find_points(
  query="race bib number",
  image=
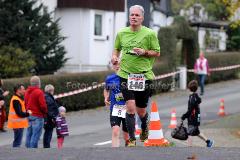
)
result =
(136, 82)
(119, 111)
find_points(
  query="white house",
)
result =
(91, 26)
(212, 36)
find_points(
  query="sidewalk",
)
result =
(224, 132)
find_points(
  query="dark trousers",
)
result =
(18, 134)
(47, 137)
(201, 81)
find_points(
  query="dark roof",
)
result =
(109, 5)
(214, 24)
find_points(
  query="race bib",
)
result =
(136, 82)
(119, 111)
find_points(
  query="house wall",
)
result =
(160, 20)
(214, 33)
(223, 40)
(50, 4)
(74, 25)
(201, 37)
(86, 51)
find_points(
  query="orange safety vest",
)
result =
(14, 121)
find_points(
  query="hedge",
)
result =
(220, 60)
(70, 82)
(168, 37)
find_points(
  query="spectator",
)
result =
(35, 101)
(193, 114)
(50, 120)
(17, 115)
(201, 68)
(3, 108)
(62, 127)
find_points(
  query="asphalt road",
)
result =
(138, 153)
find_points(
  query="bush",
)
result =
(14, 62)
(221, 60)
(168, 37)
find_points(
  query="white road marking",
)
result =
(102, 143)
(108, 142)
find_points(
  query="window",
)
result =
(98, 25)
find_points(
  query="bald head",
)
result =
(35, 81)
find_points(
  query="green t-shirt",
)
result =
(126, 40)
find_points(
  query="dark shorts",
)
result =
(193, 130)
(140, 97)
(116, 121)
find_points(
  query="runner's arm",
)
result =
(115, 56)
(147, 53)
(106, 97)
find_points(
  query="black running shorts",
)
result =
(140, 97)
(116, 121)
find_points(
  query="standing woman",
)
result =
(50, 120)
(201, 68)
(3, 108)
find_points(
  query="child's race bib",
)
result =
(119, 111)
(136, 82)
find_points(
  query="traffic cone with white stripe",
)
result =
(221, 111)
(173, 122)
(155, 137)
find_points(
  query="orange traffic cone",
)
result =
(155, 137)
(137, 130)
(173, 122)
(221, 111)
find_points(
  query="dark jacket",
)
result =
(18, 108)
(193, 112)
(35, 101)
(1, 94)
(52, 105)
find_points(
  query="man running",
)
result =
(139, 47)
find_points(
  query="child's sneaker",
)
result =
(210, 143)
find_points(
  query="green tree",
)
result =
(232, 7)
(14, 62)
(233, 39)
(26, 25)
(216, 9)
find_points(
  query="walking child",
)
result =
(114, 98)
(62, 127)
(193, 114)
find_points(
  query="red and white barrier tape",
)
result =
(166, 75)
(156, 78)
(220, 68)
(78, 91)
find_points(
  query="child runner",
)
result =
(114, 98)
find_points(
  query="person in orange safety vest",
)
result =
(17, 115)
